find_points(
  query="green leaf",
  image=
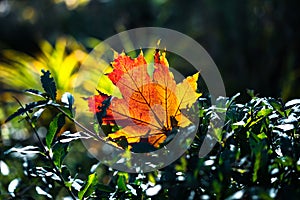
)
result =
(232, 99)
(258, 147)
(88, 188)
(264, 112)
(122, 180)
(65, 172)
(238, 124)
(106, 86)
(27, 108)
(54, 126)
(261, 115)
(151, 178)
(60, 151)
(48, 84)
(277, 106)
(262, 135)
(257, 155)
(67, 112)
(218, 134)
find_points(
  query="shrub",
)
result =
(257, 155)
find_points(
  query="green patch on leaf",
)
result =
(60, 151)
(122, 181)
(54, 126)
(89, 186)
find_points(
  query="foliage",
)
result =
(62, 60)
(257, 40)
(20, 71)
(257, 156)
(151, 105)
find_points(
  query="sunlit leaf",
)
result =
(286, 127)
(67, 137)
(122, 181)
(292, 103)
(54, 126)
(264, 112)
(88, 188)
(151, 104)
(59, 151)
(35, 92)
(24, 150)
(4, 169)
(68, 99)
(21, 71)
(40, 191)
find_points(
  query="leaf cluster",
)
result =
(256, 155)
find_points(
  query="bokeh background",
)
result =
(255, 43)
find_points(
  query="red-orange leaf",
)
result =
(122, 64)
(96, 102)
(150, 107)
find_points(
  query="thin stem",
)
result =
(88, 132)
(80, 125)
(56, 170)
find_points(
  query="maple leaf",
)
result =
(151, 106)
(122, 64)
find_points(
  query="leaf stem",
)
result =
(80, 125)
(56, 170)
(87, 131)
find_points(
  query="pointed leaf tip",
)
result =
(48, 84)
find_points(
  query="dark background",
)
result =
(255, 43)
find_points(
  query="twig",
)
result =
(80, 125)
(88, 132)
(56, 170)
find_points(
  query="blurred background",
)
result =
(255, 43)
